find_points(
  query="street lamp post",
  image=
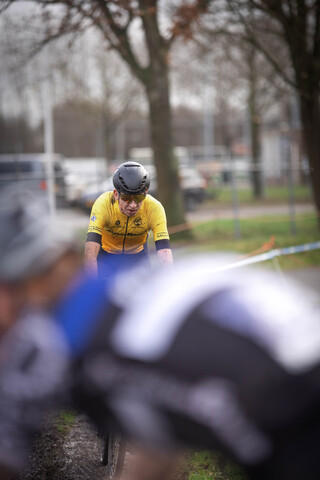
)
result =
(48, 133)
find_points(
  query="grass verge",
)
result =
(272, 195)
(206, 465)
(64, 421)
(257, 235)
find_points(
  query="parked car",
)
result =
(82, 173)
(90, 194)
(30, 171)
(193, 187)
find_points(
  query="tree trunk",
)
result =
(161, 139)
(156, 82)
(255, 152)
(310, 117)
(257, 186)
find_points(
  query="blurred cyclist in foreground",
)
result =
(37, 264)
(183, 357)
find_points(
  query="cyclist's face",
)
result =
(128, 209)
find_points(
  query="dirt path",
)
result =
(74, 455)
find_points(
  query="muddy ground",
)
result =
(73, 453)
(66, 454)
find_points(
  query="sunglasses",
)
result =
(136, 198)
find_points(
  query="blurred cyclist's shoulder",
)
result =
(81, 308)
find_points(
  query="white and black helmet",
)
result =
(30, 241)
(131, 178)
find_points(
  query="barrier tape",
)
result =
(181, 228)
(264, 247)
(272, 254)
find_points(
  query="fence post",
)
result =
(286, 135)
(235, 198)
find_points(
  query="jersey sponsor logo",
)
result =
(93, 218)
(122, 234)
(94, 229)
(130, 234)
(137, 221)
(162, 234)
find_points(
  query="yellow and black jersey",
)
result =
(121, 234)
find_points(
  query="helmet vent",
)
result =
(123, 182)
(131, 180)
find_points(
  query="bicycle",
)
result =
(113, 451)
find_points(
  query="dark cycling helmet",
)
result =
(131, 178)
(30, 241)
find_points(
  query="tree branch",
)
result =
(5, 4)
(274, 8)
(75, 30)
(185, 17)
(149, 16)
(120, 42)
(115, 34)
(251, 37)
(316, 42)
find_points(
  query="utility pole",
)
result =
(208, 117)
(48, 134)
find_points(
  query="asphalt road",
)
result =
(78, 219)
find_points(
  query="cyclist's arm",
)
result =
(164, 252)
(91, 251)
(93, 242)
(161, 235)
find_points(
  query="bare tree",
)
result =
(239, 71)
(17, 135)
(262, 91)
(114, 20)
(107, 94)
(295, 24)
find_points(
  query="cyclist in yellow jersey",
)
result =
(121, 220)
